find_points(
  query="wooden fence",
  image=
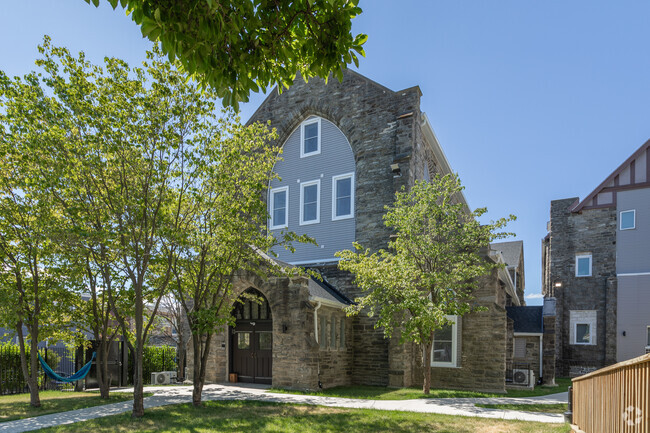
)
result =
(614, 399)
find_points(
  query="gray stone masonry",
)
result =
(590, 231)
(548, 356)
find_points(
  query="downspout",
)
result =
(316, 321)
(541, 352)
(320, 384)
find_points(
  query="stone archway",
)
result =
(251, 340)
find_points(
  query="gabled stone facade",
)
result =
(383, 128)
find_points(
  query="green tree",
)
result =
(219, 229)
(239, 46)
(36, 283)
(435, 259)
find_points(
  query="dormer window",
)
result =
(310, 137)
(279, 207)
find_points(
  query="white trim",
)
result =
(286, 208)
(302, 204)
(582, 256)
(620, 222)
(316, 120)
(454, 345)
(632, 274)
(335, 193)
(527, 334)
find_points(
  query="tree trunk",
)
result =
(196, 376)
(426, 365)
(103, 380)
(30, 371)
(79, 362)
(138, 384)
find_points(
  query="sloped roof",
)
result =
(326, 291)
(527, 319)
(613, 181)
(511, 251)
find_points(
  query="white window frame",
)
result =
(316, 120)
(647, 337)
(454, 344)
(302, 202)
(334, 195)
(582, 256)
(620, 225)
(272, 225)
(575, 334)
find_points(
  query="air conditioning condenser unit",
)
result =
(163, 377)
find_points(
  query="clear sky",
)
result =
(531, 101)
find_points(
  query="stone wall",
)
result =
(482, 363)
(590, 231)
(548, 355)
(299, 362)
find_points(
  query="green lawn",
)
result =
(381, 393)
(546, 408)
(17, 406)
(258, 417)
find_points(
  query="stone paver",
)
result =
(183, 394)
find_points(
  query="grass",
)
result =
(382, 393)
(546, 408)
(13, 407)
(259, 417)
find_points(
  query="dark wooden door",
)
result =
(252, 344)
(251, 340)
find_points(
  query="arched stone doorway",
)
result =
(251, 340)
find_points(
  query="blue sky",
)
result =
(531, 101)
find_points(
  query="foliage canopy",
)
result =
(239, 46)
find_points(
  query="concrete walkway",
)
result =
(183, 394)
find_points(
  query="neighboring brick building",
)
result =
(347, 148)
(596, 264)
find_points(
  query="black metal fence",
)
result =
(12, 380)
(64, 362)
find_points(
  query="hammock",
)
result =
(75, 377)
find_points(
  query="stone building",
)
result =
(347, 148)
(596, 264)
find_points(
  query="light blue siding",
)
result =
(335, 159)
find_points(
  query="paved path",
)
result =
(183, 394)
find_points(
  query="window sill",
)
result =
(444, 365)
(306, 223)
(343, 217)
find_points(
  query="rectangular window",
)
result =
(323, 333)
(310, 202)
(583, 336)
(333, 334)
(520, 347)
(583, 265)
(628, 219)
(243, 340)
(266, 340)
(445, 342)
(342, 335)
(343, 196)
(583, 327)
(279, 207)
(648, 332)
(310, 137)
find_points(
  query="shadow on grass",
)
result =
(250, 416)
